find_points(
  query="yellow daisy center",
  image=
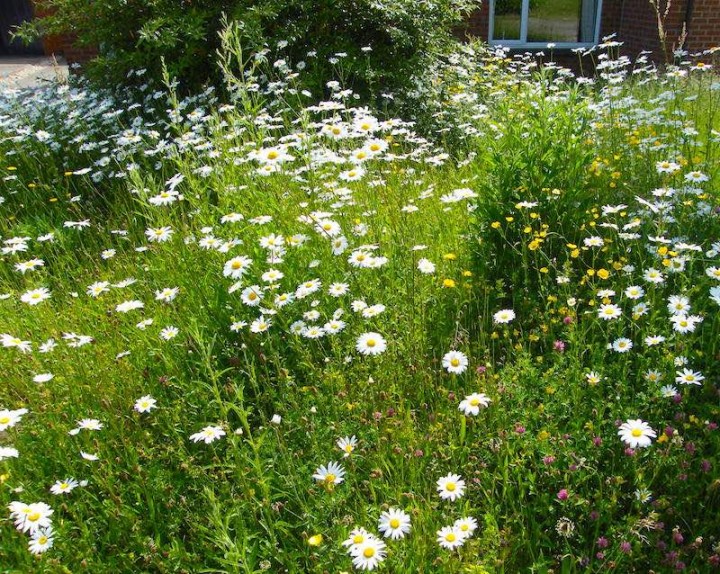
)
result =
(358, 538)
(450, 487)
(34, 516)
(474, 402)
(371, 342)
(272, 155)
(454, 362)
(330, 478)
(636, 433)
(394, 523)
(450, 537)
(369, 552)
(4, 420)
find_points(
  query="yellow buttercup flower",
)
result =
(315, 540)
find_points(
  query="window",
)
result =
(535, 23)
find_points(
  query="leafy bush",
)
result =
(142, 33)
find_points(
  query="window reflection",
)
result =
(570, 21)
(508, 17)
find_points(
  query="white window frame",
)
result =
(522, 43)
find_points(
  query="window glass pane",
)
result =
(562, 20)
(506, 25)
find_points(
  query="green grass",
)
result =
(543, 158)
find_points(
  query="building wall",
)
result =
(636, 25)
(704, 27)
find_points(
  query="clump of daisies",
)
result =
(366, 550)
(34, 519)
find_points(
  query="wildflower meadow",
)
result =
(272, 329)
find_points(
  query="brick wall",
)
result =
(75, 54)
(478, 23)
(704, 26)
(635, 23)
(638, 27)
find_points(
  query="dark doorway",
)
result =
(12, 13)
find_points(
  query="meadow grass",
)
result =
(238, 296)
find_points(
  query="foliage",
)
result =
(382, 41)
(170, 264)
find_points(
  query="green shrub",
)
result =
(142, 33)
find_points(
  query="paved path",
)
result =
(29, 71)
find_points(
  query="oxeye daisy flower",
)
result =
(451, 487)
(98, 288)
(678, 304)
(64, 486)
(369, 554)
(667, 166)
(334, 326)
(472, 404)
(208, 434)
(713, 272)
(159, 234)
(636, 433)
(145, 404)
(357, 537)
(504, 316)
(696, 176)
(653, 276)
(347, 445)
(9, 419)
(608, 312)
(639, 310)
(41, 540)
(30, 265)
(593, 378)
(652, 340)
(634, 292)
(689, 377)
(371, 344)
(715, 294)
(30, 517)
(685, 323)
(426, 266)
(35, 296)
(394, 524)
(593, 241)
(455, 362)
(8, 452)
(10, 341)
(169, 332)
(236, 267)
(466, 525)
(330, 475)
(622, 345)
(450, 537)
(252, 296)
(127, 306)
(167, 294)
